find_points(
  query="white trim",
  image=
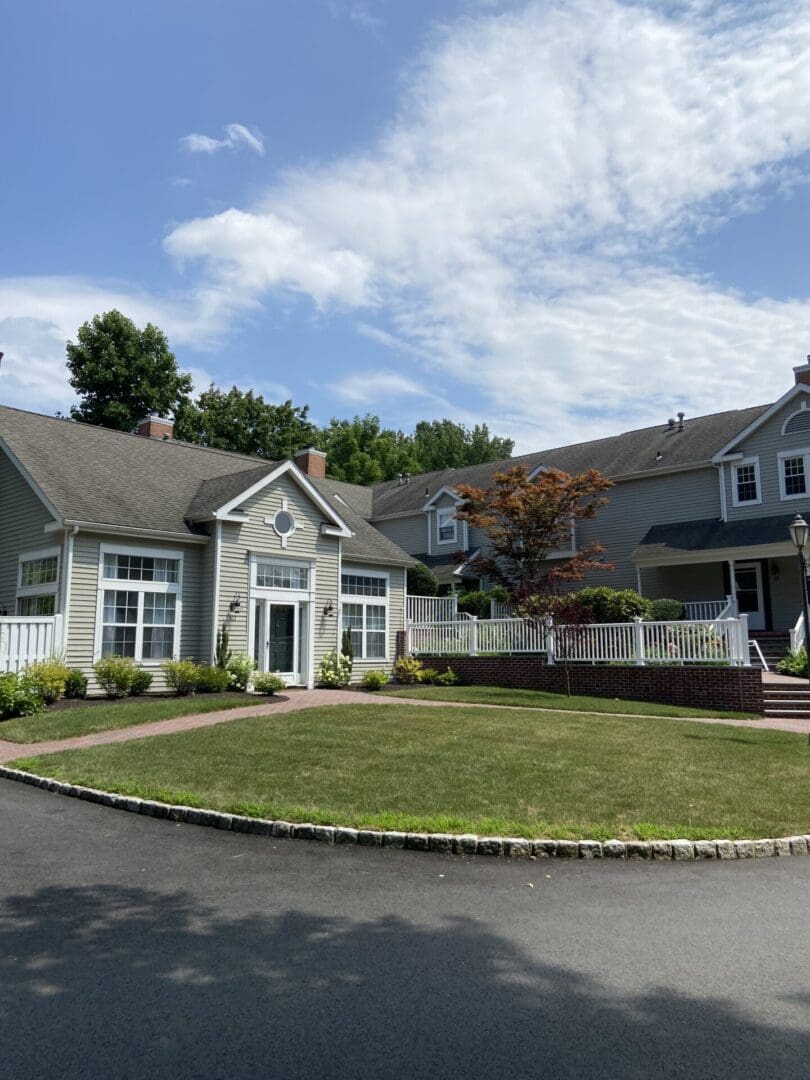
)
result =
(50, 588)
(756, 566)
(141, 587)
(539, 469)
(795, 391)
(303, 482)
(443, 511)
(721, 473)
(67, 582)
(24, 473)
(429, 515)
(359, 570)
(737, 465)
(451, 492)
(217, 586)
(712, 555)
(797, 412)
(125, 531)
(303, 600)
(803, 453)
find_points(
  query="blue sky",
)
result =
(562, 218)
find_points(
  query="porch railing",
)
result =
(797, 634)
(25, 641)
(718, 641)
(425, 609)
(700, 610)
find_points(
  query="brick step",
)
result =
(786, 690)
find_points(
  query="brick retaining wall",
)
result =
(702, 687)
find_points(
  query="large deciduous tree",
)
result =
(122, 373)
(245, 423)
(443, 444)
(359, 451)
(527, 520)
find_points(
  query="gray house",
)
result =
(146, 546)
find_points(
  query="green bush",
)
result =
(665, 610)
(75, 684)
(47, 679)
(375, 680)
(268, 683)
(475, 603)
(222, 656)
(240, 668)
(116, 675)
(447, 678)
(17, 698)
(181, 675)
(795, 663)
(428, 675)
(347, 648)
(408, 670)
(613, 605)
(212, 680)
(141, 681)
(335, 671)
(421, 580)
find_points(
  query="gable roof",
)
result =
(617, 456)
(799, 390)
(367, 544)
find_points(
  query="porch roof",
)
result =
(712, 540)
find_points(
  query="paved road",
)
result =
(136, 948)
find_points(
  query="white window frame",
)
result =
(368, 601)
(140, 587)
(736, 465)
(281, 560)
(443, 512)
(49, 589)
(803, 452)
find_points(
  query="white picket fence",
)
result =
(429, 609)
(702, 610)
(723, 641)
(25, 641)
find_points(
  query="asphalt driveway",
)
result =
(135, 948)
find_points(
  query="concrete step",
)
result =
(787, 714)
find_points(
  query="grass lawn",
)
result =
(84, 720)
(520, 773)
(543, 699)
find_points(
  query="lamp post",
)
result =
(800, 534)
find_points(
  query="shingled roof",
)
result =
(616, 456)
(94, 474)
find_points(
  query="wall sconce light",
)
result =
(235, 604)
(329, 609)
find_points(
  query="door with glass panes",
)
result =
(278, 637)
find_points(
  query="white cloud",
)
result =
(236, 135)
(518, 227)
(372, 387)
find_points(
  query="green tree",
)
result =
(122, 373)
(443, 444)
(359, 451)
(421, 580)
(245, 423)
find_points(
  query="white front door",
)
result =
(750, 599)
(278, 641)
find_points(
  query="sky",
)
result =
(565, 219)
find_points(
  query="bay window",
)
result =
(139, 605)
(364, 609)
(38, 583)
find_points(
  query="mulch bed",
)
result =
(83, 703)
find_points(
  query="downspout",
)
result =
(217, 575)
(67, 575)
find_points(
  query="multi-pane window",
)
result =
(365, 614)
(37, 583)
(271, 575)
(793, 475)
(746, 482)
(140, 568)
(140, 620)
(446, 520)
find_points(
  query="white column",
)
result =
(638, 636)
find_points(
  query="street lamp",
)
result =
(800, 533)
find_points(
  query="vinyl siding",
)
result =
(784, 582)
(84, 600)
(22, 525)
(396, 615)
(767, 443)
(409, 532)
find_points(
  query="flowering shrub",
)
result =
(268, 683)
(240, 668)
(335, 670)
(17, 698)
(47, 679)
(116, 675)
(408, 670)
(181, 675)
(375, 680)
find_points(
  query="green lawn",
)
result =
(542, 699)
(521, 773)
(84, 720)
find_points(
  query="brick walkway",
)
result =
(306, 699)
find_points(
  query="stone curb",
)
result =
(445, 843)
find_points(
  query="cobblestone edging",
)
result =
(444, 843)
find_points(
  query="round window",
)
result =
(284, 523)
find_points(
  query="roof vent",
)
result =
(659, 456)
(681, 417)
(671, 423)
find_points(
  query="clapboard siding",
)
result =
(409, 532)
(84, 601)
(396, 615)
(22, 525)
(766, 443)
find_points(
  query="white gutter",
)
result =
(217, 575)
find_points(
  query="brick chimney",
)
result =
(155, 426)
(312, 462)
(802, 373)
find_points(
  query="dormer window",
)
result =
(746, 483)
(794, 468)
(446, 524)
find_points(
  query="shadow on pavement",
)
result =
(114, 982)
